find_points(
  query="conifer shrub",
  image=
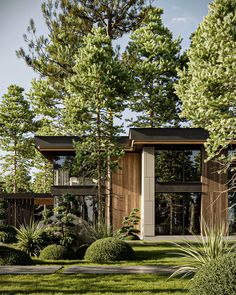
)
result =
(109, 249)
(12, 256)
(218, 277)
(56, 252)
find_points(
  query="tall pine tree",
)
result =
(154, 57)
(16, 127)
(98, 93)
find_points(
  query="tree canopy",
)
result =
(207, 87)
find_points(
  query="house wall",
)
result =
(126, 187)
(214, 205)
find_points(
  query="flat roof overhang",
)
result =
(137, 138)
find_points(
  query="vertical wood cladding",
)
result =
(214, 208)
(126, 186)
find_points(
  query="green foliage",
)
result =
(207, 86)
(29, 238)
(11, 256)
(211, 245)
(97, 95)
(56, 252)
(130, 223)
(7, 234)
(109, 249)
(216, 278)
(153, 57)
(43, 177)
(16, 126)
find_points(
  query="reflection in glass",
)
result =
(177, 165)
(177, 213)
(66, 172)
(232, 212)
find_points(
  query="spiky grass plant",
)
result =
(29, 237)
(210, 245)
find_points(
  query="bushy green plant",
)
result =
(208, 247)
(56, 252)
(7, 234)
(129, 225)
(29, 238)
(218, 277)
(109, 249)
(11, 256)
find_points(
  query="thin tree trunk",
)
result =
(99, 169)
(14, 169)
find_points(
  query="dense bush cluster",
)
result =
(7, 234)
(11, 256)
(56, 252)
(218, 277)
(109, 249)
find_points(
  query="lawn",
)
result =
(59, 283)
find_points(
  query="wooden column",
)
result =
(214, 205)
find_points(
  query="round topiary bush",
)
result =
(56, 252)
(218, 277)
(12, 256)
(109, 249)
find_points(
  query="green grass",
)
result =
(91, 284)
(147, 254)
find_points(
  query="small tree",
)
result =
(16, 127)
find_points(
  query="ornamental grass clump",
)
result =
(208, 247)
(218, 277)
(109, 249)
(29, 238)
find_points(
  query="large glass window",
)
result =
(177, 213)
(177, 165)
(232, 212)
(66, 172)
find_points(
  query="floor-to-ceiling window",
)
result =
(178, 171)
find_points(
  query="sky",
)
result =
(180, 16)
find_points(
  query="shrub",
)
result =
(30, 238)
(129, 225)
(56, 252)
(109, 249)
(11, 256)
(218, 277)
(7, 234)
(208, 247)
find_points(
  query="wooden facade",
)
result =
(21, 206)
(126, 187)
(214, 204)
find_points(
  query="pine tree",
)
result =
(154, 56)
(207, 88)
(97, 95)
(16, 127)
(53, 56)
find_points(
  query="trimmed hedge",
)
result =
(12, 256)
(109, 249)
(218, 277)
(56, 252)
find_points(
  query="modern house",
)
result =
(163, 173)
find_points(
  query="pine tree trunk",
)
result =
(99, 169)
(14, 169)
